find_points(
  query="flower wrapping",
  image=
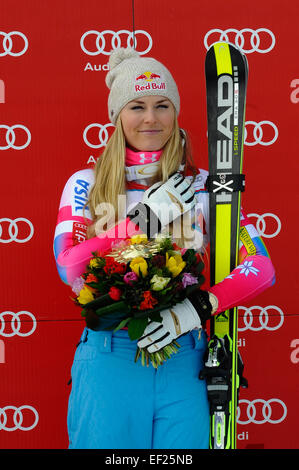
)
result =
(134, 282)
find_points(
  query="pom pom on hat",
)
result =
(120, 54)
(132, 76)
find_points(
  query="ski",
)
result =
(226, 74)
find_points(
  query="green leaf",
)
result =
(201, 279)
(167, 299)
(150, 311)
(122, 323)
(83, 313)
(104, 299)
(156, 317)
(200, 266)
(115, 307)
(165, 290)
(136, 327)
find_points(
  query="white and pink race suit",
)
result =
(73, 251)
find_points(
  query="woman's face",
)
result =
(148, 122)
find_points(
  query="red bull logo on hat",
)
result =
(148, 76)
(154, 82)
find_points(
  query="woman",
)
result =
(145, 182)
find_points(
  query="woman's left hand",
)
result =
(175, 322)
(183, 317)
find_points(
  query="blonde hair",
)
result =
(110, 181)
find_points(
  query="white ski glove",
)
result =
(185, 316)
(175, 322)
(162, 203)
(170, 199)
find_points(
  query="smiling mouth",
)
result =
(150, 131)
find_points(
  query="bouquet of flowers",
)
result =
(134, 282)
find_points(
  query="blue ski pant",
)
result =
(116, 403)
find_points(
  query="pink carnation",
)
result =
(130, 277)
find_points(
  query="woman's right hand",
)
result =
(162, 203)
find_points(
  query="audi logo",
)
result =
(103, 135)
(259, 39)
(262, 414)
(116, 41)
(10, 137)
(261, 224)
(8, 43)
(263, 318)
(16, 323)
(258, 133)
(14, 228)
(12, 418)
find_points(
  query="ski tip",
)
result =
(225, 52)
(219, 44)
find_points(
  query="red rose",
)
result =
(115, 293)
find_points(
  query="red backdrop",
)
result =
(54, 121)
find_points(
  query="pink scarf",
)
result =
(141, 158)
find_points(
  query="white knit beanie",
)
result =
(131, 77)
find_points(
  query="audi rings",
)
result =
(103, 134)
(8, 43)
(256, 43)
(10, 137)
(263, 318)
(258, 133)
(17, 418)
(261, 224)
(16, 323)
(262, 414)
(13, 230)
(116, 41)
